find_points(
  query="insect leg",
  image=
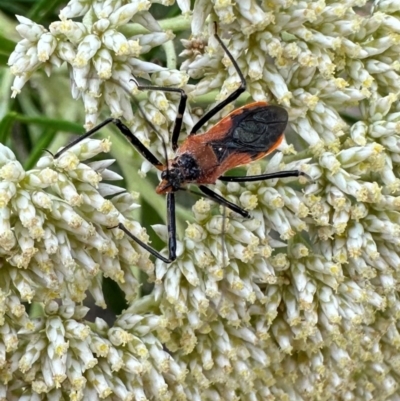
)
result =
(222, 201)
(124, 131)
(262, 177)
(171, 224)
(181, 108)
(233, 96)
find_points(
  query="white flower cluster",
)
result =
(326, 321)
(301, 301)
(101, 60)
(60, 356)
(55, 239)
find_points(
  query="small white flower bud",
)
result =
(46, 46)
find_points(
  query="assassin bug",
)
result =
(243, 136)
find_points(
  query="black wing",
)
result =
(253, 131)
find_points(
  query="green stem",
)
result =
(210, 97)
(175, 24)
(170, 54)
(298, 156)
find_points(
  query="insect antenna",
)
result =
(152, 126)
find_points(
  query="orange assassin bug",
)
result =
(243, 136)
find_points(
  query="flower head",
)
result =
(299, 301)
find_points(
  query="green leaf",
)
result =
(44, 141)
(58, 125)
(3, 60)
(5, 126)
(44, 8)
(51, 128)
(6, 46)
